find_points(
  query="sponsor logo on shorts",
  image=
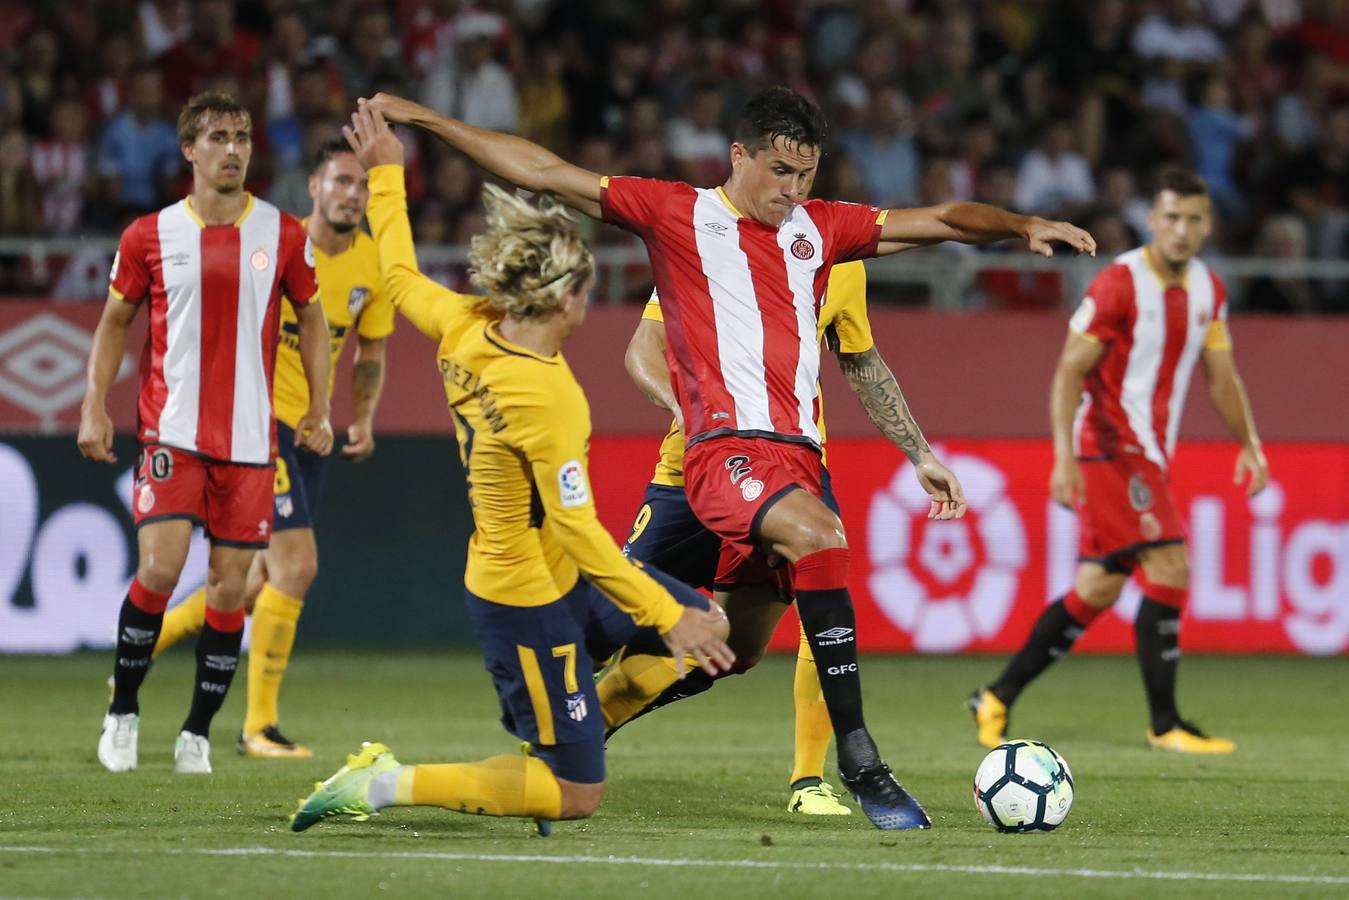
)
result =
(802, 248)
(263, 527)
(831, 637)
(719, 416)
(841, 670)
(577, 707)
(146, 501)
(1140, 495)
(1148, 525)
(571, 484)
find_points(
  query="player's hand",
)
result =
(394, 109)
(1041, 234)
(701, 634)
(1251, 463)
(95, 438)
(360, 442)
(314, 433)
(941, 484)
(1065, 482)
(371, 140)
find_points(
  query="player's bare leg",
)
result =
(163, 551)
(805, 532)
(1095, 589)
(283, 577)
(1165, 583)
(217, 654)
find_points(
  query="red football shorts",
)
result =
(1127, 507)
(732, 482)
(231, 501)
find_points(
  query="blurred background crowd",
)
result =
(1058, 107)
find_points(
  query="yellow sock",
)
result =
(629, 687)
(183, 621)
(274, 618)
(813, 728)
(500, 786)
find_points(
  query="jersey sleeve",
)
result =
(433, 308)
(652, 311)
(635, 203)
(298, 281)
(1103, 314)
(850, 230)
(376, 320)
(129, 279)
(1217, 337)
(848, 289)
(553, 429)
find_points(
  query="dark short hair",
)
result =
(1180, 181)
(779, 112)
(204, 105)
(329, 149)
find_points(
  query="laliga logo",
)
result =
(938, 621)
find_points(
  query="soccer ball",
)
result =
(1023, 786)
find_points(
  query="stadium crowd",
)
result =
(1060, 107)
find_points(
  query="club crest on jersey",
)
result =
(259, 260)
(802, 248)
(1140, 495)
(356, 300)
(577, 707)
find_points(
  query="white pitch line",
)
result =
(1120, 874)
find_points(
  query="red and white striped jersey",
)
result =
(214, 294)
(1154, 334)
(741, 300)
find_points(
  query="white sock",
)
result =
(383, 789)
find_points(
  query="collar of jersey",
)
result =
(192, 212)
(318, 251)
(502, 343)
(729, 205)
(1156, 270)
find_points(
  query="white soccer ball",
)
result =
(1023, 786)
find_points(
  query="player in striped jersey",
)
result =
(1115, 404)
(354, 301)
(212, 269)
(741, 271)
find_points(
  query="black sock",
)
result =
(217, 658)
(137, 632)
(695, 682)
(831, 628)
(1053, 636)
(1157, 638)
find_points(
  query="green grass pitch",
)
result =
(697, 792)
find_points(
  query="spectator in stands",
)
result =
(1215, 133)
(1282, 237)
(696, 140)
(1054, 179)
(63, 166)
(545, 108)
(20, 197)
(1173, 30)
(1297, 114)
(139, 156)
(106, 95)
(369, 54)
(884, 152)
(163, 23)
(1315, 184)
(214, 49)
(1120, 195)
(39, 80)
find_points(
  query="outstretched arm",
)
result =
(976, 223)
(1227, 393)
(878, 390)
(521, 162)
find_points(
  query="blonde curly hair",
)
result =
(528, 257)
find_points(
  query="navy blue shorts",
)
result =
(542, 662)
(666, 534)
(299, 482)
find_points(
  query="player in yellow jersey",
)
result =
(347, 263)
(666, 533)
(547, 588)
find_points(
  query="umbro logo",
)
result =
(834, 633)
(222, 662)
(716, 227)
(138, 637)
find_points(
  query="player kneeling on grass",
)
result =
(547, 588)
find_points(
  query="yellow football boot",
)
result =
(1186, 738)
(270, 743)
(990, 717)
(817, 800)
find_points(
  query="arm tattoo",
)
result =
(367, 379)
(875, 385)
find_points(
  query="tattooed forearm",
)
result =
(875, 385)
(367, 381)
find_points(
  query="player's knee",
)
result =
(295, 575)
(1100, 592)
(580, 801)
(159, 574)
(1172, 572)
(816, 534)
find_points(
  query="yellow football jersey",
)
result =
(843, 316)
(352, 295)
(523, 426)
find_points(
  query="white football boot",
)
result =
(117, 744)
(192, 754)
